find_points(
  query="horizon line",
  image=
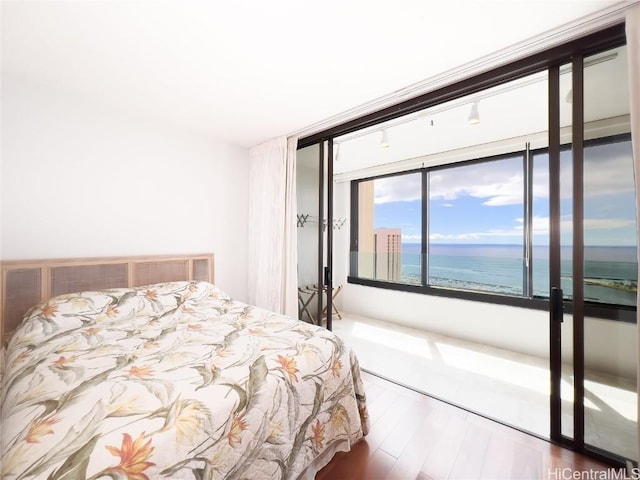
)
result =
(514, 245)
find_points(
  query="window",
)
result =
(389, 229)
(610, 266)
(476, 226)
(461, 178)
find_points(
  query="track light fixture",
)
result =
(384, 140)
(474, 115)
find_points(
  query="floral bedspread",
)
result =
(173, 380)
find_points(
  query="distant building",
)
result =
(388, 254)
(379, 249)
(366, 246)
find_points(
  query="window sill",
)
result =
(596, 310)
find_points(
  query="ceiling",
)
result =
(508, 116)
(245, 71)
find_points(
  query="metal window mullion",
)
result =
(424, 257)
(329, 234)
(578, 249)
(354, 223)
(555, 328)
(527, 273)
(320, 277)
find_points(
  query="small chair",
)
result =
(303, 305)
(334, 308)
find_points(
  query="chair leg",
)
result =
(304, 306)
(334, 308)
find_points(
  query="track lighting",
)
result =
(384, 140)
(336, 149)
(427, 118)
(474, 115)
(569, 97)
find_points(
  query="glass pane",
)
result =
(611, 267)
(540, 256)
(566, 246)
(610, 263)
(566, 221)
(475, 226)
(540, 227)
(307, 185)
(389, 229)
(471, 151)
(327, 230)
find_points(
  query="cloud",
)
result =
(593, 224)
(501, 200)
(541, 224)
(608, 170)
(500, 182)
(448, 205)
(452, 236)
(412, 238)
(540, 227)
(476, 235)
(399, 188)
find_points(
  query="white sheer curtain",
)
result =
(272, 226)
(633, 49)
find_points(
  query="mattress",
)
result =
(174, 380)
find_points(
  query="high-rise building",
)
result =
(388, 254)
(366, 245)
(379, 249)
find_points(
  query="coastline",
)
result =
(611, 273)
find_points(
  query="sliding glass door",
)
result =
(593, 257)
(498, 210)
(315, 233)
(449, 208)
(610, 272)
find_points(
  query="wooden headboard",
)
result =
(23, 284)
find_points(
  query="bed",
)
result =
(174, 380)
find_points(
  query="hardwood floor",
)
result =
(415, 437)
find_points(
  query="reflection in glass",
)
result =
(307, 187)
(611, 267)
(610, 262)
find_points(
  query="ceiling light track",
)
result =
(475, 98)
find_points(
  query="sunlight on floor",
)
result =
(621, 401)
(515, 373)
(508, 386)
(392, 339)
(518, 374)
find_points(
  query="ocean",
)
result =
(611, 273)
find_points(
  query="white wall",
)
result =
(610, 346)
(82, 179)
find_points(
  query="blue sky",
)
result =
(482, 203)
